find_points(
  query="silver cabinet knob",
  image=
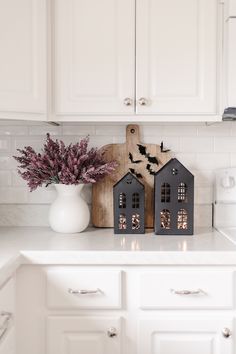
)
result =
(226, 332)
(143, 101)
(112, 332)
(128, 101)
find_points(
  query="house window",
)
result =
(165, 219)
(135, 200)
(122, 200)
(165, 193)
(182, 193)
(122, 222)
(135, 221)
(182, 219)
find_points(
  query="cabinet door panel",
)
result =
(177, 56)
(185, 336)
(23, 57)
(231, 60)
(94, 56)
(73, 335)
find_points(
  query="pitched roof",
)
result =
(171, 161)
(125, 176)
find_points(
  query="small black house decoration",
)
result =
(128, 199)
(174, 198)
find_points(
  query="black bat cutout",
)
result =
(138, 175)
(153, 160)
(132, 159)
(142, 150)
(162, 148)
(150, 170)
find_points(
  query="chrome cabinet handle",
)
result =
(7, 316)
(84, 292)
(188, 292)
(128, 101)
(226, 332)
(112, 332)
(143, 101)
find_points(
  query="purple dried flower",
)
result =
(57, 163)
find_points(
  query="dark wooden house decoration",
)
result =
(174, 200)
(128, 200)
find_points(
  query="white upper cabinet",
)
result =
(230, 40)
(177, 57)
(94, 56)
(23, 59)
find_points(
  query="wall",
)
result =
(199, 147)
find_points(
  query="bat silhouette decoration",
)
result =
(162, 148)
(150, 170)
(132, 159)
(143, 151)
(138, 175)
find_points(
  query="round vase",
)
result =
(69, 213)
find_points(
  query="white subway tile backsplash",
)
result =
(226, 144)
(5, 145)
(42, 195)
(5, 178)
(197, 144)
(204, 195)
(7, 163)
(17, 181)
(179, 130)
(215, 130)
(212, 161)
(13, 130)
(13, 195)
(24, 215)
(35, 142)
(44, 129)
(201, 148)
(78, 130)
(110, 130)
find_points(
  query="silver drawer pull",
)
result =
(85, 292)
(188, 292)
(7, 317)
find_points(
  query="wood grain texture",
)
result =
(102, 195)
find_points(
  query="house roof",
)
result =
(170, 162)
(129, 174)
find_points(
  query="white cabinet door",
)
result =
(85, 335)
(185, 336)
(230, 61)
(177, 46)
(94, 56)
(23, 59)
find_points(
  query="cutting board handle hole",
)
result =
(132, 130)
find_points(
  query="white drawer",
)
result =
(186, 290)
(83, 289)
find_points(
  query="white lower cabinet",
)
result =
(85, 335)
(125, 310)
(7, 313)
(182, 335)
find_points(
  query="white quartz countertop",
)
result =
(100, 246)
(37, 246)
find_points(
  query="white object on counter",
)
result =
(69, 213)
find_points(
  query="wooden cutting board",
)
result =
(148, 159)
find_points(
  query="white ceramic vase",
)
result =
(69, 213)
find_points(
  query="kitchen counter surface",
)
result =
(100, 246)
